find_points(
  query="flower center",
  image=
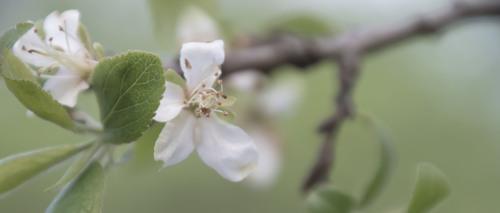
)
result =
(206, 100)
(62, 56)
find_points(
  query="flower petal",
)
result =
(200, 61)
(226, 148)
(64, 86)
(266, 172)
(31, 41)
(195, 25)
(171, 103)
(62, 29)
(175, 142)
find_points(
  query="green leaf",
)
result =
(10, 37)
(431, 188)
(83, 195)
(84, 36)
(22, 83)
(326, 199)
(77, 166)
(128, 89)
(17, 169)
(173, 77)
(386, 163)
(228, 117)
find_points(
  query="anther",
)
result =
(224, 96)
(186, 62)
(38, 73)
(61, 28)
(50, 39)
(219, 81)
(216, 74)
(225, 113)
(203, 84)
(203, 96)
(24, 48)
(185, 102)
(35, 30)
(219, 102)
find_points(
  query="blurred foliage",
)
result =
(438, 96)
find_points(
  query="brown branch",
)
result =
(347, 49)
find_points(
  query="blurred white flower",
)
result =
(58, 45)
(192, 120)
(279, 99)
(270, 157)
(196, 25)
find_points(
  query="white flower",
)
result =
(59, 47)
(192, 121)
(195, 25)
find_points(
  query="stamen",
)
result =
(50, 39)
(185, 102)
(216, 74)
(219, 102)
(61, 28)
(24, 48)
(203, 96)
(219, 81)
(225, 113)
(186, 62)
(224, 96)
(203, 84)
(35, 30)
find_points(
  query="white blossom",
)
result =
(58, 46)
(192, 121)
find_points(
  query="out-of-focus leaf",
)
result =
(128, 89)
(228, 102)
(326, 199)
(172, 77)
(166, 15)
(10, 37)
(22, 83)
(431, 188)
(17, 169)
(302, 24)
(84, 195)
(77, 166)
(386, 163)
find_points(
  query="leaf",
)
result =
(386, 163)
(431, 188)
(17, 169)
(173, 77)
(76, 167)
(326, 199)
(83, 195)
(228, 117)
(10, 37)
(22, 83)
(128, 89)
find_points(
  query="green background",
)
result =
(438, 94)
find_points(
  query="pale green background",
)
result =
(438, 94)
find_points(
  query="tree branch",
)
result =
(347, 49)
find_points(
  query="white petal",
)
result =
(68, 38)
(226, 148)
(280, 99)
(171, 103)
(195, 25)
(200, 61)
(31, 41)
(65, 86)
(175, 142)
